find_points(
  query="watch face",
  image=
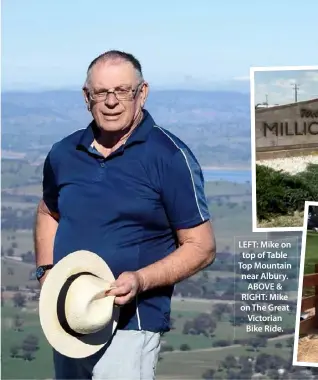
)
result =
(39, 272)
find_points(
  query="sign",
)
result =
(308, 127)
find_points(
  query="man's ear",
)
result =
(144, 93)
(86, 97)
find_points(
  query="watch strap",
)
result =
(41, 269)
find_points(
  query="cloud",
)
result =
(278, 86)
(284, 83)
(312, 76)
(242, 78)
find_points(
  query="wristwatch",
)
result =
(40, 271)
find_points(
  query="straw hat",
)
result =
(76, 315)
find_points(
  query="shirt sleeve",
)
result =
(50, 187)
(183, 192)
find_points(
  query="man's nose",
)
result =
(111, 99)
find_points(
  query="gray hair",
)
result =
(114, 55)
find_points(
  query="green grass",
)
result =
(191, 365)
(9, 311)
(311, 259)
(189, 309)
(191, 305)
(224, 331)
(42, 366)
(311, 255)
(176, 339)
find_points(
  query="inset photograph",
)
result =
(284, 133)
(306, 326)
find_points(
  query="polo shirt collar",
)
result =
(140, 133)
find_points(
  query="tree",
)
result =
(232, 375)
(19, 300)
(187, 327)
(265, 362)
(258, 342)
(229, 362)
(31, 342)
(246, 371)
(204, 324)
(246, 365)
(28, 257)
(209, 374)
(31, 273)
(166, 348)
(29, 346)
(10, 252)
(185, 347)
(18, 323)
(221, 308)
(26, 355)
(290, 342)
(14, 350)
(205, 275)
(273, 374)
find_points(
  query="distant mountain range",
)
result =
(215, 124)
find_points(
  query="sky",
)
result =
(202, 44)
(277, 87)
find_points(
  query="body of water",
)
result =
(210, 175)
(238, 176)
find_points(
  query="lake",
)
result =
(230, 175)
(210, 175)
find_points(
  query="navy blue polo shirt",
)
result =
(126, 207)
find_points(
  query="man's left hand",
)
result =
(127, 286)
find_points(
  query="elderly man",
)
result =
(131, 192)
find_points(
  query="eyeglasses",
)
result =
(121, 93)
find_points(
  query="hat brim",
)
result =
(59, 339)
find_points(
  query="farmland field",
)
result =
(21, 273)
(194, 363)
(230, 207)
(23, 239)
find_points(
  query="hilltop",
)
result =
(215, 124)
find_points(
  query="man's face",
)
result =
(112, 114)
